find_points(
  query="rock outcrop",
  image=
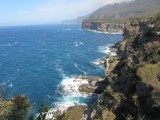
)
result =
(132, 90)
(102, 26)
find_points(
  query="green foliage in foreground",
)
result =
(15, 109)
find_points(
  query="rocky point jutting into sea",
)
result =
(102, 26)
(131, 89)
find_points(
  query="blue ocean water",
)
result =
(35, 59)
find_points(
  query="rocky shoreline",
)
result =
(101, 26)
(131, 88)
(88, 86)
(94, 85)
(85, 85)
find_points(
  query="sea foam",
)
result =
(107, 50)
(76, 65)
(78, 43)
(68, 88)
(98, 62)
(101, 32)
(70, 85)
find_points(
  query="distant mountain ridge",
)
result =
(121, 10)
(78, 20)
(128, 9)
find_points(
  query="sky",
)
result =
(30, 12)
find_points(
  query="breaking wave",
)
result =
(76, 65)
(106, 50)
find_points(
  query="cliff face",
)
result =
(132, 89)
(102, 26)
(127, 9)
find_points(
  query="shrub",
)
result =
(108, 90)
(21, 107)
(150, 74)
(15, 109)
(108, 115)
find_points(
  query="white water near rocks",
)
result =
(44, 56)
(106, 50)
(69, 87)
(96, 31)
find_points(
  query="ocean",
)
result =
(39, 60)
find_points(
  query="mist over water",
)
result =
(38, 60)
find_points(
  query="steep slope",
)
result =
(122, 11)
(128, 9)
(102, 26)
(111, 18)
(133, 77)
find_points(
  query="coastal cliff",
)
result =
(102, 26)
(132, 90)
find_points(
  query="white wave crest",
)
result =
(98, 62)
(70, 85)
(107, 50)
(104, 49)
(116, 33)
(101, 32)
(78, 43)
(10, 85)
(80, 69)
(9, 44)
